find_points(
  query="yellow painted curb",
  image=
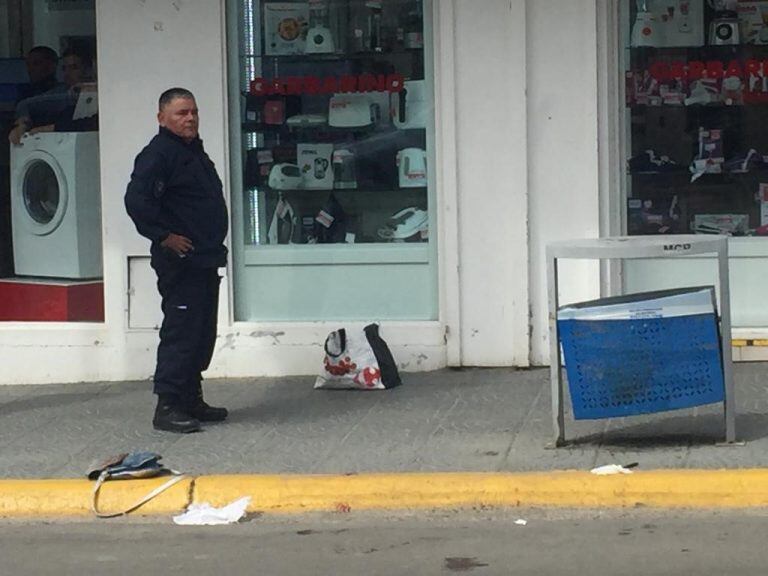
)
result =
(670, 488)
(305, 493)
(20, 498)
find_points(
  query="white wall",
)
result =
(145, 48)
(562, 149)
(492, 181)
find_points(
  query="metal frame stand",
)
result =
(634, 247)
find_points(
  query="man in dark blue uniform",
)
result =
(175, 199)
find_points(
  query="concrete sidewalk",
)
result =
(490, 421)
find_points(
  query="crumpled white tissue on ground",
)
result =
(206, 515)
(609, 469)
(521, 522)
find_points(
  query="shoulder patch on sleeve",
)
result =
(159, 187)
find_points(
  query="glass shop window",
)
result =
(695, 116)
(334, 121)
(50, 197)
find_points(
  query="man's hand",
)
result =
(180, 245)
(14, 136)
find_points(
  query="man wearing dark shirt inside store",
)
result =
(41, 64)
(175, 199)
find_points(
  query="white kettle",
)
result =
(412, 168)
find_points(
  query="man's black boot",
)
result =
(200, 409)
(171, 418)
(205, 413)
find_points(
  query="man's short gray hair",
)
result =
(171, 94)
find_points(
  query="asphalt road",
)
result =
(478, 542)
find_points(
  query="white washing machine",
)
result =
(56, 205)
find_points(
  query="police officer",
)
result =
(175, 200)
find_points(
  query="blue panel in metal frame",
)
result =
(626, 367)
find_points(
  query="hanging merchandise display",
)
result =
(283, 225)
(330, 225)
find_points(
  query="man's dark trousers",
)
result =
(190, 297)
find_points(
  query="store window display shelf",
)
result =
(333, 56)
(372, 130)
(698, 108)
(323, 254)
(686, 175)
(367, 189)
(707, 49)
(331, 123)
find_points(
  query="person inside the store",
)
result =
(175, 199)
(41, 62)
(54, 109)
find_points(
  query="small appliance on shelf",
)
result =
(285, 28)
(412, 167)
(724, 28)
(319, 35)
(668, 23)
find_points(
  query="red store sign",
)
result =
(696, 69)
(296, 85)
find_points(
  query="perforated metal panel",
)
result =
(626, 367)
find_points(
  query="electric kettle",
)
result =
(412, 168)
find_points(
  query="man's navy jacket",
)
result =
(174, 188)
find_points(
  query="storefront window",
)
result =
(696, 89)
(50, 198)
(333, 135)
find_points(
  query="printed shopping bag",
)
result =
(358, 360)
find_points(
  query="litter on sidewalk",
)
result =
(611, 469)
(204, 514)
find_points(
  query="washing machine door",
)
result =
(43, 192)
